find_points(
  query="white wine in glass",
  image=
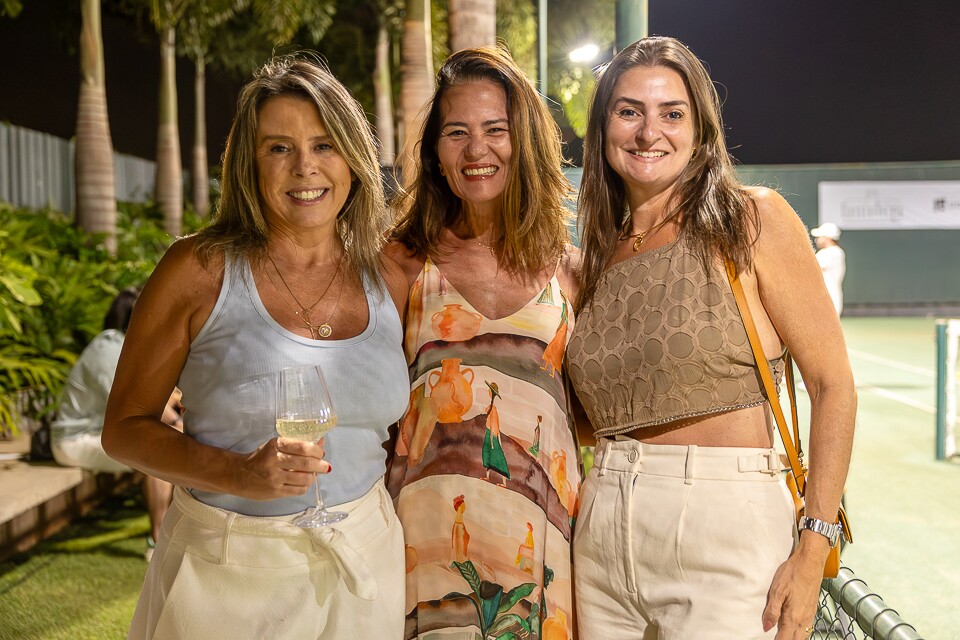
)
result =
(305, 412)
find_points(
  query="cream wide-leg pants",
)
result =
(219, 575)
(679, 542)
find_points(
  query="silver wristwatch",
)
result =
(829, 531)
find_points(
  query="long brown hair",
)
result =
(533, 225)
(239, 225)
(716, 214)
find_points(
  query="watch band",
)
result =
(830, 531)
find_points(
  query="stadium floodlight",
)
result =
(586, 53)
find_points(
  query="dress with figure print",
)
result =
(486, 474)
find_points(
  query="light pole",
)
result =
(631, 22)
(542, 45)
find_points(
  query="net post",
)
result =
(941, 438)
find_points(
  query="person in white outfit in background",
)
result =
(832, 259)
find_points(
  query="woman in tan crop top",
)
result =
(686, 529)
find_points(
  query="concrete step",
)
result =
(37, 499)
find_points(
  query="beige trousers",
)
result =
(679, 542)
(219, 575)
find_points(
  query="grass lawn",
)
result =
(81, 584)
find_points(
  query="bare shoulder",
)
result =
(396, 281)
(181, 267)
(408, 261)
(778, 221)
(183, 285)
(569, 270)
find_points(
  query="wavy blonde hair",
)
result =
(716, 212)
(239, 224)
(533, 226)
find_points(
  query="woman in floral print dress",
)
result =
(485, 474)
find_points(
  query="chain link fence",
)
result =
(849, 610)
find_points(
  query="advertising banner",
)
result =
(915, 204)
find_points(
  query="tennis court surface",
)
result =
(904, 505)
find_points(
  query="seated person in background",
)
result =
(75, 434)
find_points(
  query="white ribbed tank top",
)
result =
(229, 382)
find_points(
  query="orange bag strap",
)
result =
(790, 442)
(792, 392)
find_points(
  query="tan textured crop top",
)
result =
(661, 341)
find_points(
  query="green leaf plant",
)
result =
(56, 283)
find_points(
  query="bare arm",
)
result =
(569, 267)
(174, 305)
(788, 294)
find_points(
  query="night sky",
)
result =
(839, 81)
(803, 82)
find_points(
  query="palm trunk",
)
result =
(416, 72)
(93, 155)
(473, 23)
(383, 99)
(169, 187)
(201, 181)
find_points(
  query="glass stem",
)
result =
(316, 486)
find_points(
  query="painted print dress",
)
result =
(485, 475)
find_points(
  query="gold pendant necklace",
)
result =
(323, 330)
(642, 235)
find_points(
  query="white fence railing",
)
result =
(36, 170)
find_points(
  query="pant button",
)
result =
(632, 455)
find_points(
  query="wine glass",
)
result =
(305, 412)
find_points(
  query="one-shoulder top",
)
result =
(662, 340)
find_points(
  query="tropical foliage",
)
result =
(10, 8)
(56, 282)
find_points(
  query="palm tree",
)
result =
(382, 83)
(416, 73)
(169, 182)
(168, 190)
(93, 156)
(202, 20)
(473, 23)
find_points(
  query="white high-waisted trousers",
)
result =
(679, 542)
(219, 575)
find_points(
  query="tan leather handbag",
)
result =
(796, 475)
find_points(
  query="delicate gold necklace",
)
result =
(642, 235)
(317, 331)
(486, 246)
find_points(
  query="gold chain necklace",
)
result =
(323, 330)
(642, 235)
(486, 246)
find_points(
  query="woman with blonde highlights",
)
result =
(289, 274)
(482, 238)
(686, 527)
